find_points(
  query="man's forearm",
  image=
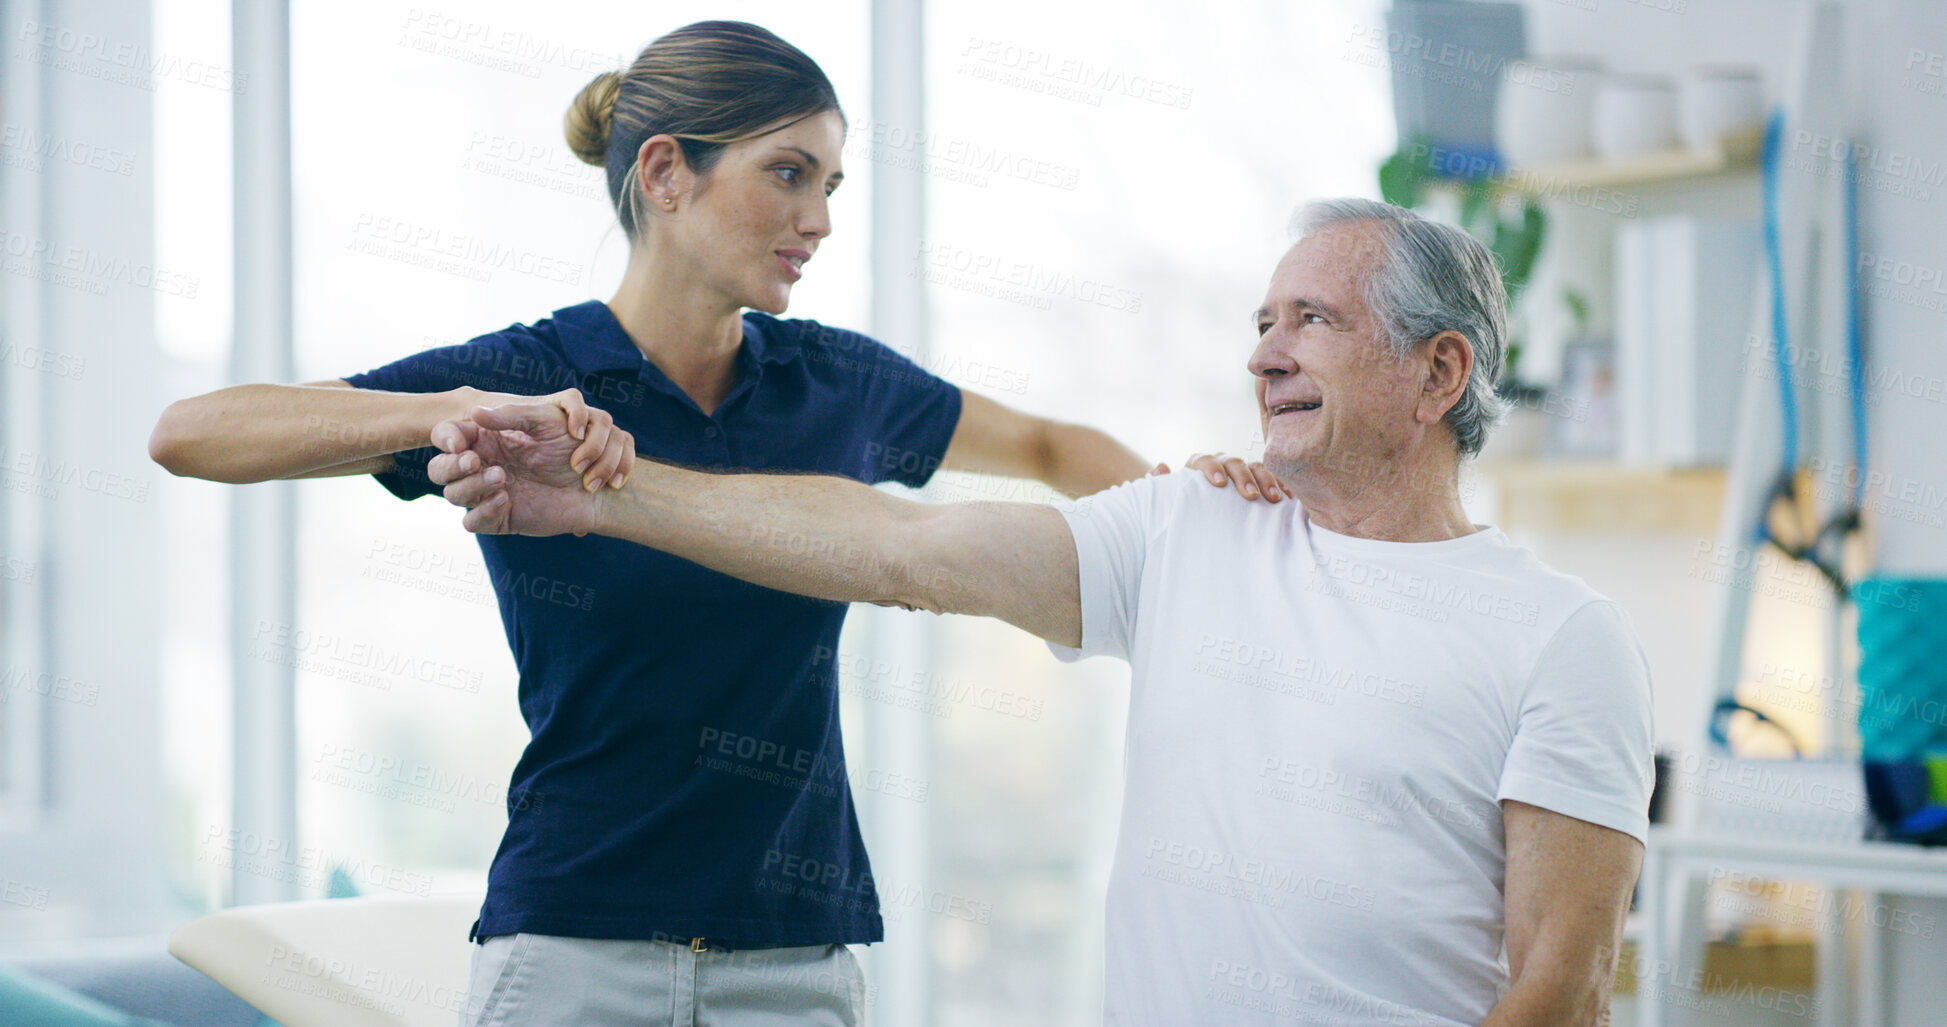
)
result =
(825, 537)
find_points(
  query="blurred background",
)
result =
(1100, 192)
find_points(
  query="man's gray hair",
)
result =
(1432, 278)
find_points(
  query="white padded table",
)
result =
(360, 962)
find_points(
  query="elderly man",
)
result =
(1386, 768)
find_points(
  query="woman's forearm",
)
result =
(249, 433)
(1082, 461)
(1069, 458)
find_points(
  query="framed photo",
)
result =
(1583, 413)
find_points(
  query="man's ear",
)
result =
(1449, 363)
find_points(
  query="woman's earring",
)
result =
(669, 201)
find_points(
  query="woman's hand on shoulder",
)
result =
(1252, 480)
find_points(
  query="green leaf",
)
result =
(1403, 176)
(1578, 308)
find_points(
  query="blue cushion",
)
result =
(138, 978)
(32, 1001)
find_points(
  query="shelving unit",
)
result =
(1537, 492)
(1601, 495)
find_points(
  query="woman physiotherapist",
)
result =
(681, 843)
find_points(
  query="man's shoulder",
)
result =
(1572, 590)
(1196, 497)
(1185, 498)
(1153, 498)
(1555, 594)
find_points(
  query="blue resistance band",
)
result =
(1855, 359)
(1774, 133)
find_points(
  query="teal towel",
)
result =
(1902, 667)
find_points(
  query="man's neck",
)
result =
(1420, 519)
(1389, 504)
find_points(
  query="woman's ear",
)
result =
(662, 173)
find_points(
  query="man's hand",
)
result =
(598, 458)
(509, 466)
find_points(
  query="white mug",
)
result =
(1634, 115)
(1542, 113)
(1718, 101)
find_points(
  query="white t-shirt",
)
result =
(1320, 730)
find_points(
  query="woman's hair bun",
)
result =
(589, 116)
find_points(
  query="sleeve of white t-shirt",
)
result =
(1582, 743)
(1114, 530)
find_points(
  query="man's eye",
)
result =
(1314, 318)
(1263, 326)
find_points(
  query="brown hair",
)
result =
(708, 84)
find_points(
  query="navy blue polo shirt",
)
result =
(685, 775)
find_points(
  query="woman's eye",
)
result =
(787, 172)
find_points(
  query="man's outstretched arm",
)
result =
(826, 537)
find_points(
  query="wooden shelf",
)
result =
(1739, 154)
(1602, 495)
(1764, 959)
